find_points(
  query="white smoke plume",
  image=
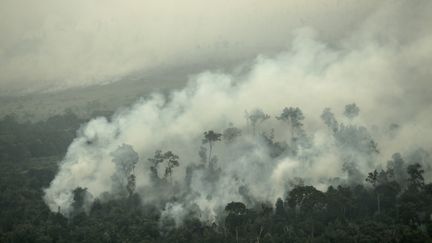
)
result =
(385, 74)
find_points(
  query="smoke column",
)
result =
(386, 75)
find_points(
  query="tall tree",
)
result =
(257, 117)
(131, 184)
(210, 137)
(280, 208)
(171, 159)
(416, 179)
(398, 167)
(306, 199)
(329, 119)
(373, 179)
(294, 118)
(157, 159)
(385, 188)
(125, 158)
(236, 217)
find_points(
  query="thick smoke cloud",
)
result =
(384, 73)
(51, 45)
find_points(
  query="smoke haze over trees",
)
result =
(341, 148)
(320, 132)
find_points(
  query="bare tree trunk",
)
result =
(312, 233)
(236, 235)
(379, 203)
(292, 133)
(210, 151)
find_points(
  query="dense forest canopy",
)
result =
(212, 200)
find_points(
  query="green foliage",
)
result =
(231, 134)
(171, 159)
(415, 180)
(396, 206)
(351, 111)
(329, 119)
(21, 141)
(341, 214)
(210, 137)
(255, 118)
(293, 116)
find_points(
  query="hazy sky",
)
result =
(52, 44)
